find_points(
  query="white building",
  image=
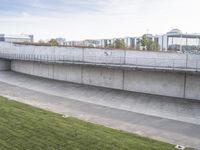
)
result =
(175, 40)
(131, 42)
(61, 41)
(92, 43)
(22, 38)
(75, 43)
(106, 42)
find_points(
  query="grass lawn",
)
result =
(23, 127)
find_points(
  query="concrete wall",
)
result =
(192, 87)
(4, 65)
(160, 83)
(59, 72)
(68, 73)
(104, 77)
(111, 78)
(139, 58)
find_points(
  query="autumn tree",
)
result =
(53, 42)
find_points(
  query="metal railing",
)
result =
(111, 58)
(108, 61)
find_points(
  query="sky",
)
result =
(97, 19)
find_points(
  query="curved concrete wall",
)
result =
(110, 78)
(192, 87)
(4, 65)
(159, 83)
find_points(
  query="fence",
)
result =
(100, 57)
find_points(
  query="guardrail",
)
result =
(182, 64)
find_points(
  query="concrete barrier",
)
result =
(4, 65)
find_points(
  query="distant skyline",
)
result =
(96, 19)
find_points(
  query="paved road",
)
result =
(45, 94)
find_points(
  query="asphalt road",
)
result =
(73, 101)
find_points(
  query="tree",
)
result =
(137, 47)
(149, 44)
(110, 46)
(53, 42)
(119, 44)
(144, 42)
(155, 46)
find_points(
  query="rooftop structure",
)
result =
(21, 38)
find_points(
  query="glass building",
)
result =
(175, 40)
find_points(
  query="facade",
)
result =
(92, 43)
(22, 38)
(175, 40)
(106, 42)
(61, 41)
(130, 42)
(75, 43)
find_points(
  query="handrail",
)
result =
(107, 60)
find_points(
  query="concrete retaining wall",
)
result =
(160, 83)
(104, 77)
(111, 78)
(4, 65)
(192, 87)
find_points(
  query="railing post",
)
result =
(124, 57)
(186, 61)
(196, 64)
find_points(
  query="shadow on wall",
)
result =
(5, 65)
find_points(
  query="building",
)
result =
(75, 43)
(92, 43)
(61, 41)
(106, 42)
(132, 42)
(175, 40)
(22, 38)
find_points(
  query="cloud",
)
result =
(50, 7)
(83, 19)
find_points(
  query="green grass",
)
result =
(23, 127)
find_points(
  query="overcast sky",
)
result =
(86, 19)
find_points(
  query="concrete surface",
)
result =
(192, 87)
(159, 83)
(172, 84)
(160, 106)
(4, 65)
(103, 77)
(89, 103)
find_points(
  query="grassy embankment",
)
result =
(24, 127)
